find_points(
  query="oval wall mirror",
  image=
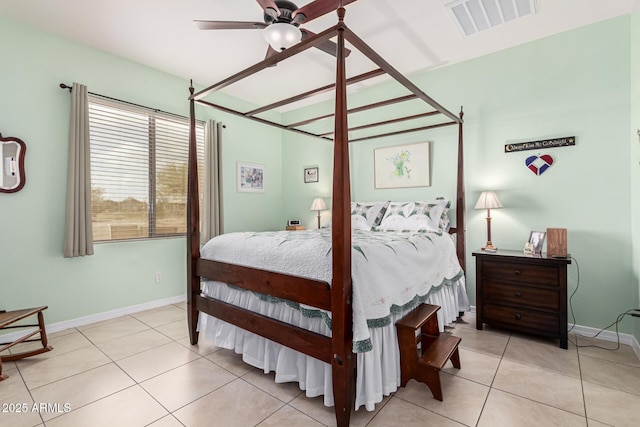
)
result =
(12, 177)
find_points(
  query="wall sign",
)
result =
(564, 141)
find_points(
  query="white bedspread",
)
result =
(391, 271)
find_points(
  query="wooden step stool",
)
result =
(9, 317)
(437, 349)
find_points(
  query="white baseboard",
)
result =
(611, 336)
(98, 317)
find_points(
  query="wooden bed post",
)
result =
(193, 226)
(341, 294)
(460, 205)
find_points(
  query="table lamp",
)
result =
(488, 200)
(318, 205)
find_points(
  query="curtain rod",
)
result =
(155, 110)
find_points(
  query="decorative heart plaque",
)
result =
(539, 164)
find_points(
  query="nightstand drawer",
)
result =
(521, 318)
(521, 295)
(520, 272)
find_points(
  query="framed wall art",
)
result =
(251, 177)
(310, 175)
(402, 166)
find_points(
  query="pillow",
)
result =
(444, 219)
(416, 216)
(367, 216)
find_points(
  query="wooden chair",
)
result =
(7, 318)
(437, 348)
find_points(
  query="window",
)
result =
(139, 170)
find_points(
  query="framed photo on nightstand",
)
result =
(536, 239)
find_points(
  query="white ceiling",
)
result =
(412, 35)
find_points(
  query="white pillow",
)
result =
(444, 219)
(358, 222)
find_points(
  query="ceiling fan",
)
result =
(282, 19)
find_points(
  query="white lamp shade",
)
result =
(488, 200)
(318, 205)
(281, 35)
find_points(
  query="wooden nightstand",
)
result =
(525, 293)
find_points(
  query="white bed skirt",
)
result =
(378, 371)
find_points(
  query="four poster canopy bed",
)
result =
(326, 318)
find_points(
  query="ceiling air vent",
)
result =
(472, 16)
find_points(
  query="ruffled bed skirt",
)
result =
(378, 370)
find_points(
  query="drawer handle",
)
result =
(517, 316)
(518, 294)
(517, 272)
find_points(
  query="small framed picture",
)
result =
(251, 178)
(310, 175)
(536, 239)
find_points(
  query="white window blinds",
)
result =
(139, 170)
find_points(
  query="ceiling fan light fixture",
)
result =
(281, 35)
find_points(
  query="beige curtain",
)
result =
(78, 238)
(212, 218)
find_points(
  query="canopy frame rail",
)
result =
(387, 122)
(356, 79)
(383, 68)
(355, 110)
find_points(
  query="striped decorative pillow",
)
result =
(367, 216)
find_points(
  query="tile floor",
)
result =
(140, 370)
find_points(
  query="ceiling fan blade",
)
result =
(265, 4)
(229, 25)
(270, 52)
(318, 8)
(326, 46)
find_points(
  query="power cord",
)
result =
(631, 312)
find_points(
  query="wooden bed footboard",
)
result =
(294, 337)
(301, 290)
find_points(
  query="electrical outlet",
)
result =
(158, 277)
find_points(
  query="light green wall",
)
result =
(635, 156)
(33, 108)
(575, 83)
(251, 142)
(299, 152)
